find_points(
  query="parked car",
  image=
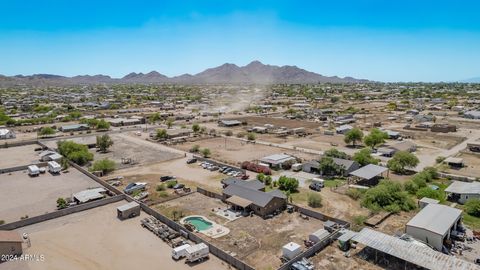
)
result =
(245, 176)
(132, 187)
(317, 184)
(191, 160)
(178, 186)
(167, 178)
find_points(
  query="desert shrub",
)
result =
(430, 193)
(171, 184)
(354, 193)
(161, 187)
(314, 200)
(389, 196)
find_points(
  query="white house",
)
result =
(7, 134)
(462, 191)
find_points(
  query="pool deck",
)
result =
(215, 231)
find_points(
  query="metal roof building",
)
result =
(433, 224)
(411, 252)
(462, 191)
(368, 172)
(89, 195)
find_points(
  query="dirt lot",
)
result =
(18, 156)
(96, 239)
(472, 165)
(191, 175)
(140, 151)
(431, 139)
(278, 122)
(253, 239)
(236, 151)
(24, 195)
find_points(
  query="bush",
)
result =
(241, 134)
(61, 203)
(411, 187)
(206, 152)
(251, 136)
(439, 159)
(268, 180)
(2, 221)
(105, 165)
(472, 207)
(287, 183)
(161, 187)
(389, 196)
(260, 177)
(163, 194)
(354, 193)
(45, 131)
(364, 157)
(430, 193)
(335, 153)
(171, 184)
(358, 222)
(314, 200)
(195, 148)
(75, 152)
(228, 133)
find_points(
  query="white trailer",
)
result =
(180, 252)
(54, 167)
(197, 253)
(33, 170)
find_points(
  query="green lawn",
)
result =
(334, 182)
(471, 221)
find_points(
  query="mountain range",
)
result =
(253, 73)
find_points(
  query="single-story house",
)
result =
(176, 133)
(248, 199)
(7, 134)
(393, 134)
(277, 161)
(89, 195)
(343, 129)
(119, 122)
(369, 174)
(251, 184)
(433, 224)
(229, 123)
(74, 127)
(10, 244)
(454, 162)
(313, 166)
(443, 128)
(460, 191)
(389, 151)
(472, 114)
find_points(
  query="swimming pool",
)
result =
(199, 223)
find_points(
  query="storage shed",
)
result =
(10, 243)
(291, 250)
(129, 210)
(318, 235)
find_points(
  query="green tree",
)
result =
(353, 136)
(364, 157)
(261, 177)
(287, 183)
(170, 122)
(329, 168)
(472, 207)
(196, 128)
(314, 200)
(154, 118)
(402, 160)
(161, 134)
(195, 148)
(45, 131)
(104, 142)
(103, 125)
(375, 138)
(61, 203)
(105, 165)
(75, 152)
(206, 152)
(335, 153)
(389, 196)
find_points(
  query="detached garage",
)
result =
(129, 210)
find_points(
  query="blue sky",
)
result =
(407, 40)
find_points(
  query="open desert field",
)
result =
(24, 195)
(96, 240)
(18, 156)
(234, 151)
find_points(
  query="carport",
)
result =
(239, 202)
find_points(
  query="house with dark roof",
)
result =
(248, 197)
(349, 166)
(252, 184)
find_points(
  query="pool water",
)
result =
(199, 223)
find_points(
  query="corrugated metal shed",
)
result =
(436, 218)
(370, 171)
(460, 187)
(411, 252)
